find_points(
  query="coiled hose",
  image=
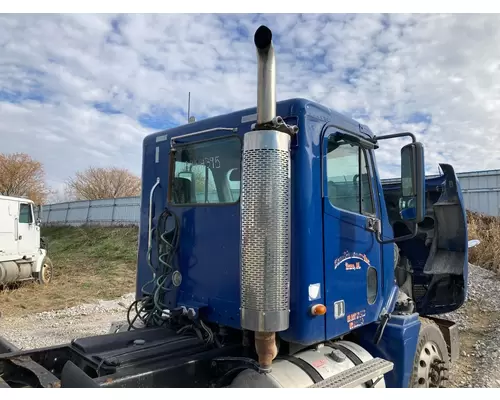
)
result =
(149, 309)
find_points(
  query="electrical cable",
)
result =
(150, 308)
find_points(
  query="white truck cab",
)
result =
(23, 255)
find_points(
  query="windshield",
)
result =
(207, 172)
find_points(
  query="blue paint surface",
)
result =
(349, 250)
(210, 234)
(398, 345)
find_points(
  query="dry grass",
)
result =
(487, 230)
(89, 263)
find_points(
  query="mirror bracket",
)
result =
(374, 225)
(396, 135)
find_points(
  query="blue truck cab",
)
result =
(343, 224)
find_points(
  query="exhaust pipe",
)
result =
(266, 76)
(265, 215)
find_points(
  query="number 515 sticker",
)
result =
(210, 162)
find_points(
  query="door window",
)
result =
(25, 215)
(348, 178)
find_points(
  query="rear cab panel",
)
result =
(209, 252)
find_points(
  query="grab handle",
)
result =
(150, 237)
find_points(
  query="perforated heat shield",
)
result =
(265, 231)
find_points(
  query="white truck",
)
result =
(23, 254)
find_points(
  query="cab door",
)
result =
(27, 231)
(352, 255)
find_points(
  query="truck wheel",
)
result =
(45, 275)
(431, 364)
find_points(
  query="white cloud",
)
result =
(387, 71)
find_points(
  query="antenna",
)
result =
(190, 119)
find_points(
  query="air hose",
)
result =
(150, 308)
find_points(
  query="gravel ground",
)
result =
(58, 327)
(478, 320)
(479, 333)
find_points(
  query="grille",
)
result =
(265, 231)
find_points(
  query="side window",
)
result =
(348, 178)
(25, 215)
(203, 172)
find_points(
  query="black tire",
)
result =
(45, 275)
(432, 362)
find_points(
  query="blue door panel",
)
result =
(350, 250)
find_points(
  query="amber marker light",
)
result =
(318, 309)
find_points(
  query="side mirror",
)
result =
(38, 221)
(412, 201)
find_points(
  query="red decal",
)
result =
(318, 363)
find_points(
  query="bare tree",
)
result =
(103, 183)
(60, 196)
(22, 176)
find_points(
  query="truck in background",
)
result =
(23, 253)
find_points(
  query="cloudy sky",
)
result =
(81, 90)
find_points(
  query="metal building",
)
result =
(481, 191)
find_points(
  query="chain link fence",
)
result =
(120, 211)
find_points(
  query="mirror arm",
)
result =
(378, 235)
(396, 135)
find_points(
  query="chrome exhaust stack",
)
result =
(266, 75)
(265, 213)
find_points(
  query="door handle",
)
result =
(20, 237)
(372, 224)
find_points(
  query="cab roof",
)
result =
(19, 199)
(286, 108)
